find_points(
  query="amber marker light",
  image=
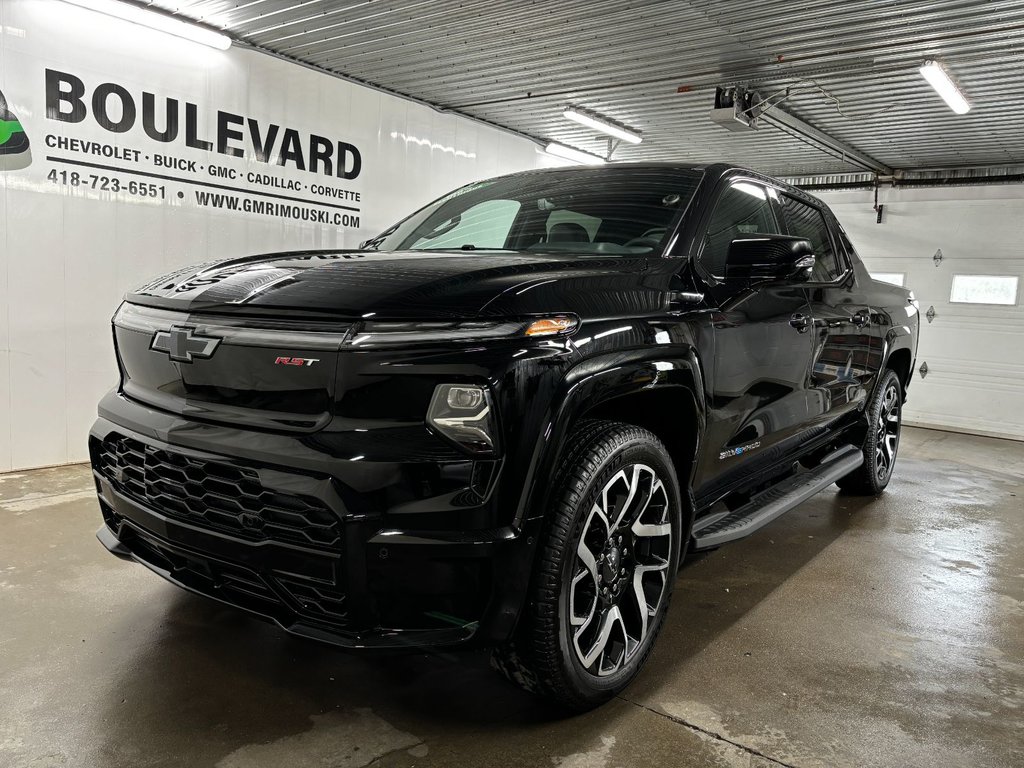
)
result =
(549, 326)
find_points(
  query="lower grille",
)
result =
(207, 575)
(213, 494)
(266, 593)
(316, 601)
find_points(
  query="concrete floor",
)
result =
(850, 632)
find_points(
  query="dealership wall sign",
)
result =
(177, 157)
(127, 154)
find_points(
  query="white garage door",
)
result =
(974, 346)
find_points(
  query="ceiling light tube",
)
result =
(598, 124)
(159, 21)
(576, 155)
(939, 79)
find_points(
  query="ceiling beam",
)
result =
(794, 126)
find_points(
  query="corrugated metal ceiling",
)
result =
(518, 64)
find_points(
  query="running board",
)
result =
(715, 530)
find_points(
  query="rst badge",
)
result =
(183, 345)
(306, 361)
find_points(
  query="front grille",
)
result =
(213, 494)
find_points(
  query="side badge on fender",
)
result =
(740, 450)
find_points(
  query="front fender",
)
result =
(596, 380)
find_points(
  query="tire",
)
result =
(605, 569)
(883, 417)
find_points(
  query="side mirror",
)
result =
(769, 259)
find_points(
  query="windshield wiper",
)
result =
(374, 243)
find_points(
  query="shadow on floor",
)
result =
(210, 673)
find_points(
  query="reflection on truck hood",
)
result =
(421, 285)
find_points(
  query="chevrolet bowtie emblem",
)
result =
(182, 345)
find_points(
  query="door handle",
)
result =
(800, 321)
(862, 318)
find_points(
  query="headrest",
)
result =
(568, 232)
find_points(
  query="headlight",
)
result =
(463, 413)
(386, 332)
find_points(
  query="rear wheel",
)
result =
(882, 439)
(605, 569)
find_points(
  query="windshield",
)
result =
(587, 210)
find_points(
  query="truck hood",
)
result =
(411, 285)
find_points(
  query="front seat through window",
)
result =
(568, 232)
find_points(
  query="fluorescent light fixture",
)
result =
(160, 21)
(598, 124)
(939, 79)
(576, 155)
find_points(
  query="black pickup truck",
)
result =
(506, 419)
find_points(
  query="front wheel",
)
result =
(605, 570)
(883, 417)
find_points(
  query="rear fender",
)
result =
(899, 337)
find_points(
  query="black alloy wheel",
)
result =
(605, 569)
(887, 432)
(621, 570)
(883, 419)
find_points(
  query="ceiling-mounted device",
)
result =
(736, 108)
(940, 79)
(603, 124)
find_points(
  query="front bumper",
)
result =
(314, 566)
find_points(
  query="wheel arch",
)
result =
(900, 362)
(669, 412)
(663, 395)
(899, 356)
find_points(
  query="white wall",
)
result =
(975, 352)
(68, 253)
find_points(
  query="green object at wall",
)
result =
(7, 129)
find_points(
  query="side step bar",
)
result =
(718, 529)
